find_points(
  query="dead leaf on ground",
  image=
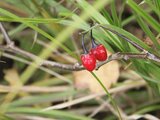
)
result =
(108, 74)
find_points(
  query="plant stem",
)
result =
(112, 100)
(93, 41)
(83, 46)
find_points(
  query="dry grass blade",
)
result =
(130, 85)
(34, 89)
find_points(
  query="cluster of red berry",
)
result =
(97, 52)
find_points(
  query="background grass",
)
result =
(54, 23)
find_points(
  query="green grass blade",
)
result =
(128, 35)
(116, 20)
(154, 5)
(107, 93)
(49, 114)
(152, 22)
(148, 109)
(107, 16)
(148, 32)
(7, 13)
(132, 17)
(157, 4)
(43, 98)
(30, 20)
(92, 11)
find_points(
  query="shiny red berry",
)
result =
(88, 61)
(99, 52)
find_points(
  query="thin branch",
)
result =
(16, 50)
(6, 36)
(47, 70)
(71, 67)
(10, 47)
(125, 38)
(121, 56)
(149, 55)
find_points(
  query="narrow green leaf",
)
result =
(49, 114)
(114, 14)
(9, 14)
(107, 93)
(153, 23)
(148, 109)
(128, 35)
(43, 98)
(30, 20)
(107, 16)
(148, 32)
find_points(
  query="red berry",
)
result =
(88, 61)
(99, 52)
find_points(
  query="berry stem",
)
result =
(93, 41)
(83, 46)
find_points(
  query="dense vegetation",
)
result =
(50, 30)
